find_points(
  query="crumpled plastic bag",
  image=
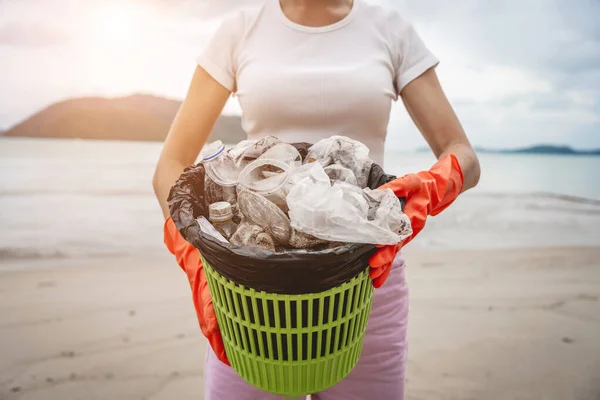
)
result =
(343, 151)
(187, 200)
(384, 212)
(313, 171)
(339, 173)
(340, 212)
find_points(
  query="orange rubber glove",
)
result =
(427, 193)
(188, 258)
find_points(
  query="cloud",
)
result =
(516, 72)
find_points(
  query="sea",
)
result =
(69, 198)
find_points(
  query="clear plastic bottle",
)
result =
(221, 173)
(221, 216)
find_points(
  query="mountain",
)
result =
(136, 117)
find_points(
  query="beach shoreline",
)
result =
(484, 324)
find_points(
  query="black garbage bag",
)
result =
(290, 272)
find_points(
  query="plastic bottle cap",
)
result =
(220, 211)
(212, 150)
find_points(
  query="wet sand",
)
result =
(502, 324)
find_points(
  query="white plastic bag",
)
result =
(312, 171)
(340, 212)
(345, 152)
(338, 173)
(385, 211)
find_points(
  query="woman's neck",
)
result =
(316, 12)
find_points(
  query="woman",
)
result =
(304, 70)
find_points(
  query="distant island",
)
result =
(543, 149)
(537, 149)
(550, 149)
(136, 117)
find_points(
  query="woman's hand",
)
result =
(188, 258)
(430, 192)
(426, 193)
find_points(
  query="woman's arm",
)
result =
(190, 130)
(432, 113)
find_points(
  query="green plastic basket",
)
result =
(292, 345)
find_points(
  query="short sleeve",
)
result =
(413, 58)
(218, 57)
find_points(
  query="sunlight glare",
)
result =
(119, 26)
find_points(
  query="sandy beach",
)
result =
(499, 324)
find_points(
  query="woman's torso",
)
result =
(307, 83)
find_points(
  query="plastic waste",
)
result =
(188, 198)
(302, 148)
(343, 151)
(283, 152)
(262, 212)
(250, 150)
(384, 212)
(237, 153)
(219, 164)
(340, 212)
(338, 173)
(312, 171)
(356, 197)
(290, 272)
(208, 228)
(221, 216)
(215, 192)
(221, 173)
(267, 178)
(195, 191)
(248, 234)
(264, 241)
(244, 233)
(301, 240)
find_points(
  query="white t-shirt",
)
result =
(303, 84)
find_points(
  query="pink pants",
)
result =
(379, 373)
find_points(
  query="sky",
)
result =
(518, 72)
